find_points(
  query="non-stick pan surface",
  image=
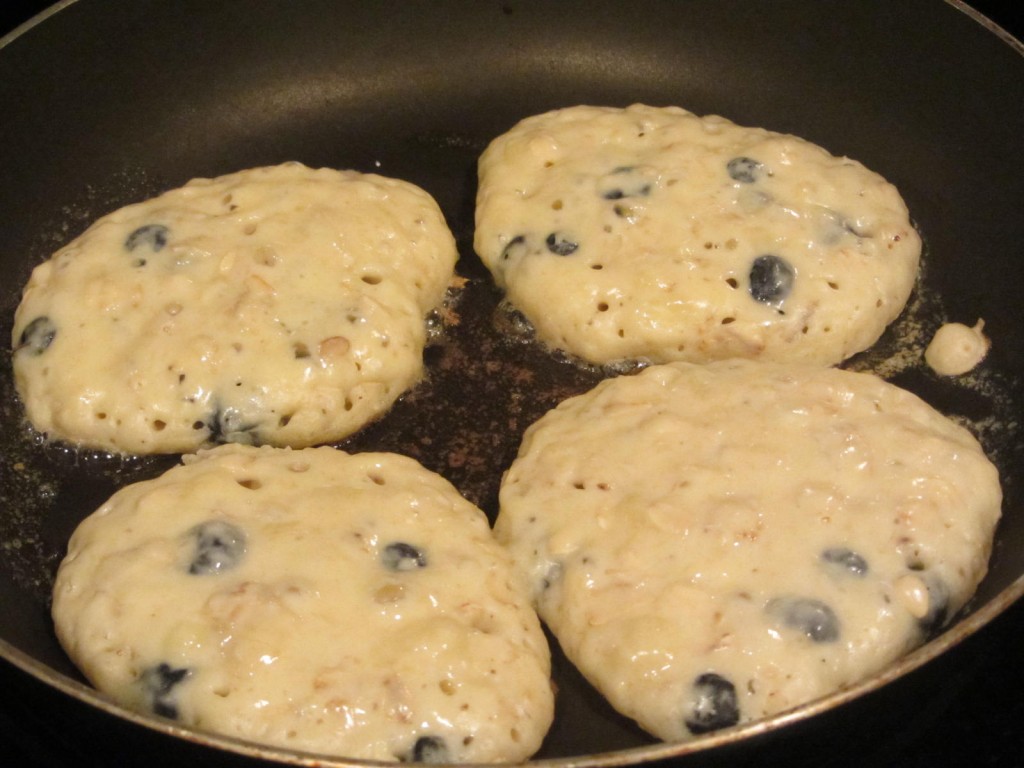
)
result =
(104, 103)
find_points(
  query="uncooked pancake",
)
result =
(653, 234)
(354, 605)
(714, 544)
(280, 305)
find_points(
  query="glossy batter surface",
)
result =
(353, 605)
(280, 305)
(713, 544)
(654, 234)
(956, 349)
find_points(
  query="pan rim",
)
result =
(996, 29)
(39, 18)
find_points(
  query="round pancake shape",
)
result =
(281, 305)
(345, 604)
(652, 234)
(715, 544)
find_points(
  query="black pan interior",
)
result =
(106, 103)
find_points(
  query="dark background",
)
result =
(968, 704)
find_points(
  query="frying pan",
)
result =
(105, 103)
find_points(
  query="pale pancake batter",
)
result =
(956, 349)
(714, 544)
(654, 234)
(280, 305)
(354, 605)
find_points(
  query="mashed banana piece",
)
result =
(279, 305)
(354, 605)
(654, 234)
(715, 544)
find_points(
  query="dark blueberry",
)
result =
(771, 279)
(226, 426)
(213, 423)
(845, 560)
(152, 236)
(218, 546)
(713, 704)
(399, 556)
(429, 749)
(37, 336)
(807, 615)
(516, 247)
(560, 245)
(624, 182)
(938, 605)
(745, 170)
(159, 683)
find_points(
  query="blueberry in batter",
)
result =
(625, 181)
(430, 749)
(160, 683)
(399, 556)
(37, 336)
(812, 617)
(561, 245)
(152, 236)
(844, 561)
(745, 170)
(715, 705)
(218, 546)
(771, 279)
